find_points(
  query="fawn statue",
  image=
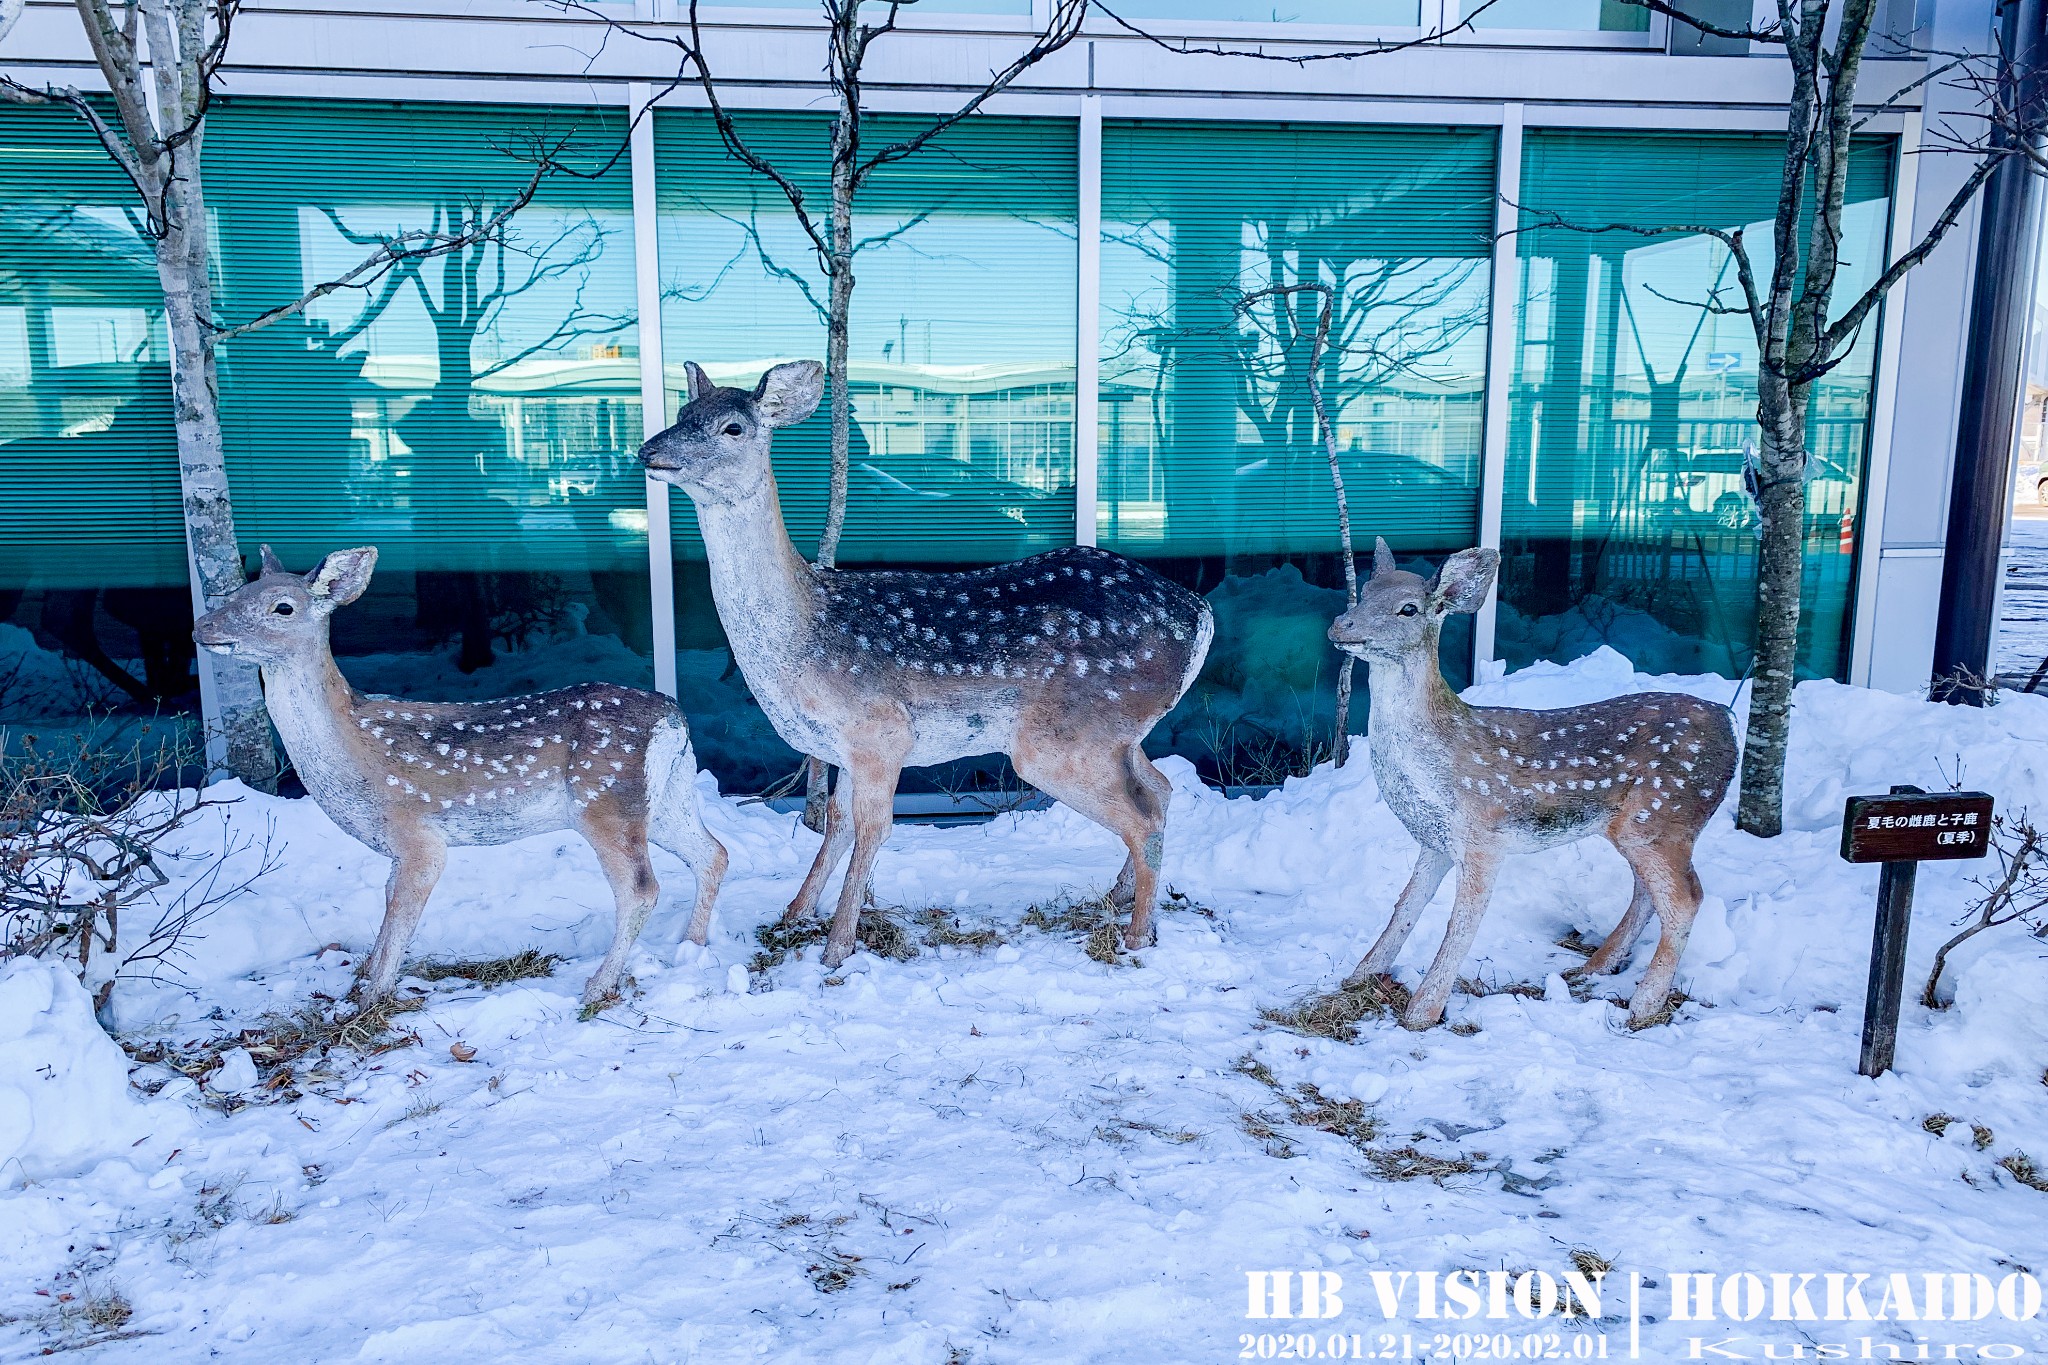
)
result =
(1064, 661)
(1474, 784)
(412, 778)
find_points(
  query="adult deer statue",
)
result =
(1474, 784)
(1063, 661)
(412, 778)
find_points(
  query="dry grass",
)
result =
(1574, 942)
(1409, 1163)
(1472, 985)
(2021, 1167)
(290, 1050)
(1305, 1106)
(1589, 1262)
(1093, 919)
(527, 964)
(1939, 1124)
(881, 932)
(942, 929)
(1337, 1014)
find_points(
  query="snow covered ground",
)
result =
(1023, 1154)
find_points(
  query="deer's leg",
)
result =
(415, 868)
(621, 848)
(873, 812)
(1675, 891)
(1475, 888)
(1614, 951)
(1124, 894)
(1117, 787)
(1430, 867)
(838, 839)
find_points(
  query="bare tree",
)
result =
(160, 59)
(2018, 895)
(1801, 333)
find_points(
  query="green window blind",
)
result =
(1624, 521)
(478, 411)
(962, 331)
(88, 464)
(1208, 441)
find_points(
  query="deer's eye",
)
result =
(284, 609)
(1408, 609)
(733, 428)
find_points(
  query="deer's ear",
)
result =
(1462, 583)
(696, 383)
(789, 393)
(1382, 556)
(341, 578)
(269, 561)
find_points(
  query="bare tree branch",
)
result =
(1769, 33)
(1371, 48)
(399, 249)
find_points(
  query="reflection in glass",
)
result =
(1625, 520)
(95, 607)
(1369, 13)
(1603, 16)
(962, 362)
(1211, 464)
(475, 416)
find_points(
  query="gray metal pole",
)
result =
(1994, 354)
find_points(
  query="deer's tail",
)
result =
(674, 818)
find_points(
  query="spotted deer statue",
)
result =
(1063, 661)
(1474, 784)
(412, 778)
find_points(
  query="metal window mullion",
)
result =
(1088, 323)
(1884, 405)
(1500, 350)
(661, 580)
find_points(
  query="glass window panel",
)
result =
(962, 358)
(1211, 464)
(1624, 518)
(476, 418)
(95, 610)
(1370, 13)
(1604, 16)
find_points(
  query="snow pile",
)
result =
(64, 1101)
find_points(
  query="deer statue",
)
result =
(412, 778)
(1473, 784)
(1063, 661)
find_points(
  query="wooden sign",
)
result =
(1903, 830)
(1916, 827)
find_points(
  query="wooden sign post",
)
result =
(1902, 831)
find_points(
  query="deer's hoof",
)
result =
(1421, 1020)
(1136, 938)
(594, 1005)
(834, 955)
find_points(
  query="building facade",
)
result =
(1051, 340)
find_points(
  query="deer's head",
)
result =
(1400, 613)
(718, 448)
(280, 616)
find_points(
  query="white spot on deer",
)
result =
(1657, 804)
(617, 766)
(441, 748)
(1642, 817)
(390, 781)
